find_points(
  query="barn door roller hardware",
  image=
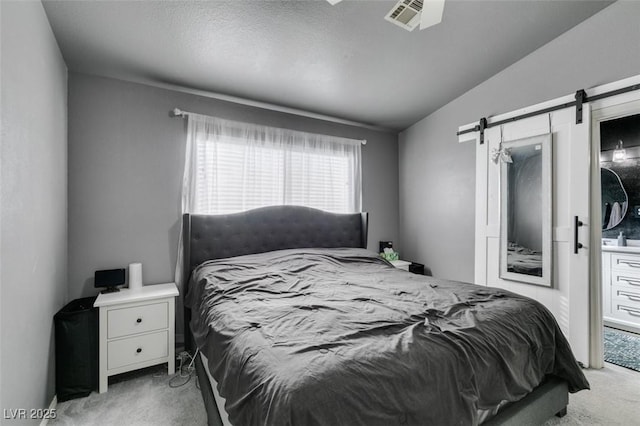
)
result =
(481, 126)
(580, 99)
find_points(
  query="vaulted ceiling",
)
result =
(342, 61)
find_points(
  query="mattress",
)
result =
(339, 336)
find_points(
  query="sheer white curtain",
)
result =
(232, 166)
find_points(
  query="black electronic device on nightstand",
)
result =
(110, 279)
(384, 245)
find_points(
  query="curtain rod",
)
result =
(177, 112)
(264, 105)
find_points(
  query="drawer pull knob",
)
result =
(138, 350)
(139, 320)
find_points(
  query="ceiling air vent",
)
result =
(405, 14)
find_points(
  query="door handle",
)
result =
(577, 223)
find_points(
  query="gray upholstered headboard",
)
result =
(265, 229)
(270, 228)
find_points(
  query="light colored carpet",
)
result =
(138, 398)
(146, 399)
(614, 399)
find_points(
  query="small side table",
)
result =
(416, 268)
(137, 330)
(401, 264)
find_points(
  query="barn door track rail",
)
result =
(580, 99)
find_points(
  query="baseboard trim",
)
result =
(52, 407)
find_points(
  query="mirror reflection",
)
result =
(614, 199)
(524, 231)
(526, 211)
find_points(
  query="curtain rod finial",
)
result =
(177, 112)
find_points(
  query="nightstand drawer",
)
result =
(137, 349)
(138, 319)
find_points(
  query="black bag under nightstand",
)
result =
(76, 328)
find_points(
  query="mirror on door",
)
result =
(525, 210)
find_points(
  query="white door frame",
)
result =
(600, 110)
(603, 110)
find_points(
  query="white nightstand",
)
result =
(137, 330)
(401, 264)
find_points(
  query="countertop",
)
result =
(621, 249)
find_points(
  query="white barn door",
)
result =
(568, 298)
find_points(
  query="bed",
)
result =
(300, 325)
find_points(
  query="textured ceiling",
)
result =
(343, 61)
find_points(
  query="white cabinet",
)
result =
(621, 288)
(137, 330)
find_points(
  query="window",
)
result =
(233, 166)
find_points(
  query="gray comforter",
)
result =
(340, 337)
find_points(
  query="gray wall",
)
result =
(126, 158)
(437, 174)
(33, 212)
